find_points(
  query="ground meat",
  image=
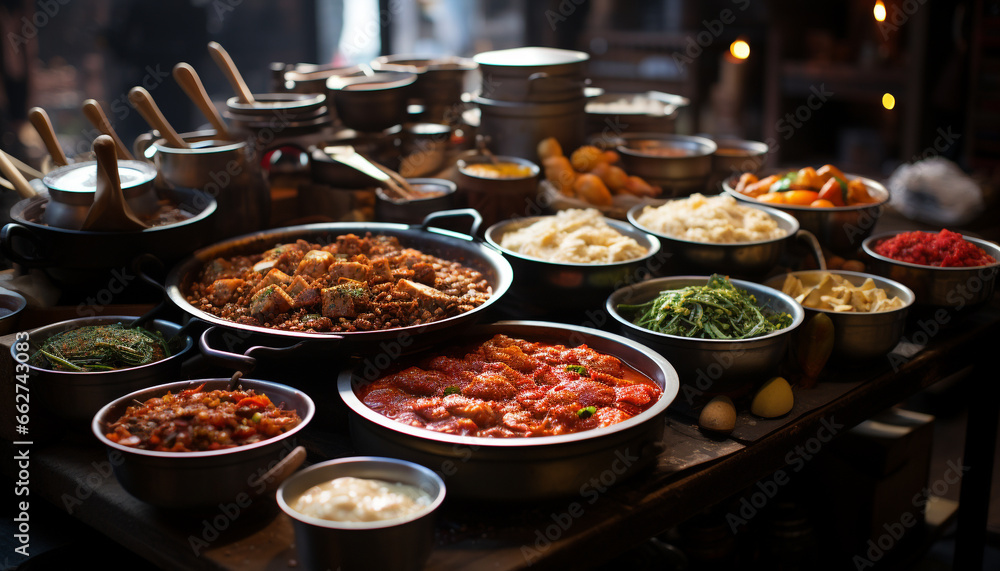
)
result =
(353, 284)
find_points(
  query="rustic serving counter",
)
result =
(692, 472)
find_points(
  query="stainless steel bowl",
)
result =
(371, 103)
(72, 189)
(712, 366)
(498, 199)
(193, 480)
(503, 469)
(736, 156)
(637, 112)
(432, 195)
(842, 229)
(685, 171)
(563, 285)
(11, 306)
(859, 336)
(742, 259)
(77, 396)
(326, 544)
(955, 288)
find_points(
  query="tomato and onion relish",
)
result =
(196, 420)
(945, 249)
(507, 387)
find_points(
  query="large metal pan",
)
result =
(442, 243)
(513, 469)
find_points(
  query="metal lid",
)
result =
(530, 57)
(82, 177)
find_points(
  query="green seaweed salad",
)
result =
(717, 310)
(101, 348)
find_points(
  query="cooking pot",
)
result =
(84, 259)
(372, 103)
(72, 189)
(440, 81)
(434, 241)
(515, 129)
(524, 468)
(532, 74)
(227, 171)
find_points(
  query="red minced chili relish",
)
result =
(507, 387)
(945, 249)
(195, 420)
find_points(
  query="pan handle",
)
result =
(248, 360)
(15, 230)
(817, 251)
(477, 219)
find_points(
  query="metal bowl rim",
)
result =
(706, 146)
(148, 171)
(261, 386)
(992, 249)
(276, 101)
(871, 184)
(461, 164)
(362, 525)
(669, 392)
(776, 214)
(910, 297)
(797, 311)
(652, 244)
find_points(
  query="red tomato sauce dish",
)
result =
(506, 387)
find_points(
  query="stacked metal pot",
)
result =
(529, 94)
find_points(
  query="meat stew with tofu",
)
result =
(354, 283)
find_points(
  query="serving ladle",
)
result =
(221, 57)
(187, 77)
(143, 102)
(95, 114)
(345, 154)
(40, 120)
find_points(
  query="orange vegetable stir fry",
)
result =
(195, 420)
(825, 187)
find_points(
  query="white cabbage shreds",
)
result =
(715, 220)
(578, 236)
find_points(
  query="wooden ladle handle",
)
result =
(40, 120)
(143, 102)
(21, 184)
(95, 114)
(187, 77)
(221, 57)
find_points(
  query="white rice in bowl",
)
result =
(578, 236)
(712, 219)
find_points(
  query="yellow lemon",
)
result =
(773, 399)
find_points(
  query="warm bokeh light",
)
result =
(740, 49)
(879, 10)
(888, 101)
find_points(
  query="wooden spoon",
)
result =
(143, 102)
(40, 119)
(95, 114)
(21, 185)
(189, 81)
(110, 212)
(221, 57)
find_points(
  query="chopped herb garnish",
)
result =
(451, 390)
(578, 369)
(586, 412)
(256, 417)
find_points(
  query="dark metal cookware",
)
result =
(442, 243)
(193, 480)
(77, 396)
(502, 469)
(80, 258)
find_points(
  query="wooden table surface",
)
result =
(70, 469)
